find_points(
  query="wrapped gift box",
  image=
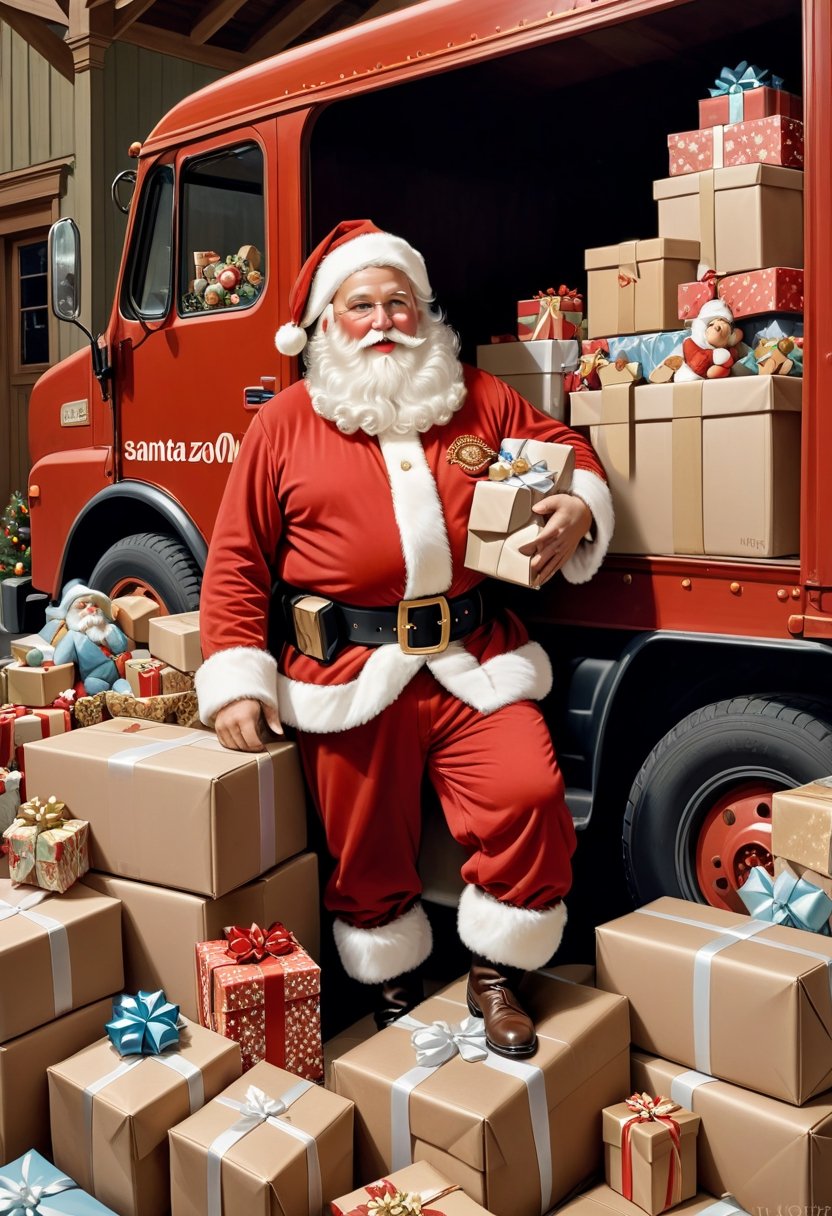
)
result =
(772, 141)
(650, 1160)
(603, 1201)
(633, 286)
(775, 289)
(501, 520)
(533, 369)
(192, 814)
(160, 926)
(67, 946)
(133, 614)
(647, 349)
(484, 1122)
(24, 1092)
(801, 825)
(548, 317)
(144, 676)
(732, 104)
(669, 452)
(794, 870)
(51, 852)
(175, 640)
(764, 1153)
(266, 1164)
(695, 977)
(435, 1193)
(271, 1007)
(179, 707)
(32, 1184)
(38, 686)
(746, 217)
(110, 1126)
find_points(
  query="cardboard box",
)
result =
(267, 1169)
(764, 1153)
(172, 806)
(271, 1007)
(472, 1120)
(20, 647)
(758, 102)
(772, 141)
(660, 1173)
(527, 358)
(24, 1091)
(161, 927)
(746, 217)
(633, 285)
(38, 686)
(669, 452)
(801, 825)
(502, 521)
(822, 881)
(175, 640)
(603, 1201)
(35, 1176)
(47, 974)
(696, 982)
(439, 1194)
(341, 1043)
(133, 615)
(125, 1160)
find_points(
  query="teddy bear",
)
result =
(709, 354)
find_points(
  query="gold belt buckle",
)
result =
(403, 624)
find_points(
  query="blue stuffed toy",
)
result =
(84, 633)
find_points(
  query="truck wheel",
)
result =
(150, 564)
(699, 812)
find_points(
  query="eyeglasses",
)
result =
(366, 308)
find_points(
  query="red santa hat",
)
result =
(351, 246)
(707, 313)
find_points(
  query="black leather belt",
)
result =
(419, 626)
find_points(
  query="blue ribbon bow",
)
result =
(734, 82)
(786, 900)
(144, 1024)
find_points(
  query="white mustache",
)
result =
(374, 336)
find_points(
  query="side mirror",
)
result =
(65, 269)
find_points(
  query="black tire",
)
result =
(159, 562)
(785, 741)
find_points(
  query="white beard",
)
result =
(94, 624)
(411, 389)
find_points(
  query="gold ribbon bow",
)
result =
(646, 1107)
(41, 815)
(549, 306)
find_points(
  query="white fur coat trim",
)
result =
(375, 955)
(513, 937)
(419, 517)
(520, 675)
(587, 558)
(233, 674)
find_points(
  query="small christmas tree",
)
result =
(15, 537)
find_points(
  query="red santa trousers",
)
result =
(501, 792)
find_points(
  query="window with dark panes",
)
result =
(222, 235)
(149, 280)
(33, 308)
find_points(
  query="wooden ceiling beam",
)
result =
(166, 43)
(283, 29)
(127, 16)
(37, 33)
(48, 10)
(214, 18)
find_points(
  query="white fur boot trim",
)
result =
(375, 955)
(513, 937)
(588, 556)
(232, 675)
(520, 675)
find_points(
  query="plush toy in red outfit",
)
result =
(709, 351)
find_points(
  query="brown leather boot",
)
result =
(508, 1028)
(397, 997)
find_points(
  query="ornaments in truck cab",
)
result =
(234, 281)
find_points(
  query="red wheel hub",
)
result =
(136, 586)
(735, 836)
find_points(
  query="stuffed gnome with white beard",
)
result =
(84, 633)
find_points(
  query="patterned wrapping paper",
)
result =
(52, 860)
(239, 999)
(775, 289)
(174, 680)
(773, 141)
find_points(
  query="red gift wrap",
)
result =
(693, 295)
(756, 103)
(775, 289)
(270, 1005)
(19, 725)
(771, 141)
(150, 678)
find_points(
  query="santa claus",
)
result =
(352, 489)
(709, 352)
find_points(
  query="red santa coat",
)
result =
(368, 521)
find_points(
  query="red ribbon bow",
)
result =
(385, 1189)
(647, 1110)
(252, 945)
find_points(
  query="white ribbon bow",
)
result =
(24, 1198)
(439, 1041)
(259, 1106)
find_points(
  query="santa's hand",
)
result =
(246, 726)
(569, 521)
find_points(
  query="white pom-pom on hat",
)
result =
(290, 339)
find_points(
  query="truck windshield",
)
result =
(149, 280)
(222, 235)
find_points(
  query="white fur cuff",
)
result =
(587, 558)
(375, 955)
(513, 937)
(232, 675)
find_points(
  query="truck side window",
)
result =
(149, 281)
(222, 231)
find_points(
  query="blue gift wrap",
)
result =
(32, 1185)
(648, 349)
